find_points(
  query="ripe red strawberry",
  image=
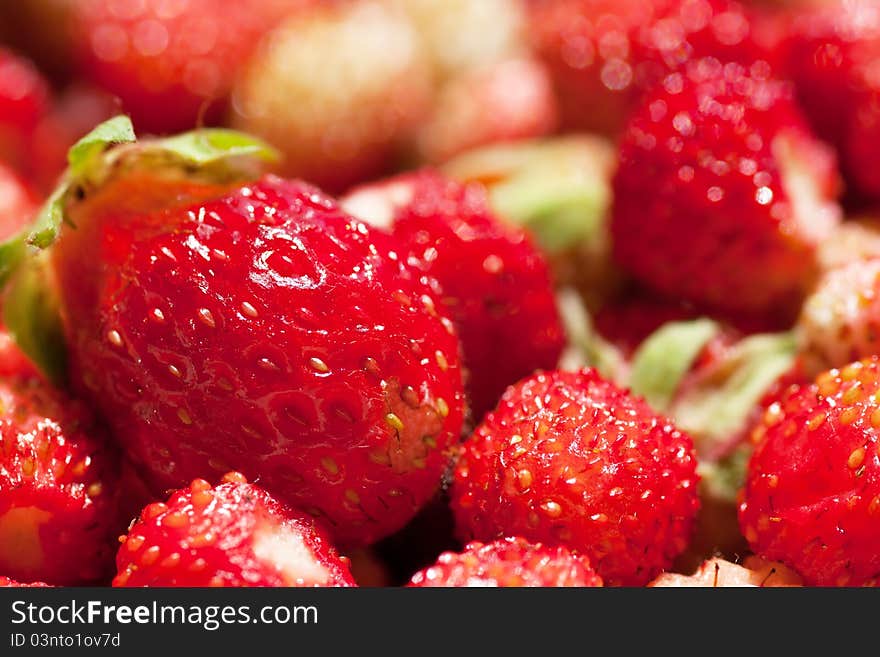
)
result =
(812, 493)
(840, 320)
(255, 325)
(24, 99)
(170, 63)
(508, 562)
(17, 202)
(11, 583)
(233, 534)
(496, 285)
(722, 194)
(833, 52)
(339, 90)
(568, 458)
(59, 493)
(503, 101)
(603, 54)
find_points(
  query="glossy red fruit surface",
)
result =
(569, 458)
(495, 283)
(169, 62)
(24, 99)
(722, 194)
(260, 327)
(603, 54)
(812, 492)
(232, 534)
(509, 562)
(59, 493)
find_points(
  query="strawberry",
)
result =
(722, 194)
(840, 320)
(339, 90)
(508, 562)
(603, 54)
(232, 534)
(812, 492)
(857, 238)
(502, 101)
(170, 63)
(495, 283)
(717, 572)
(59, 494)
(251, 323)
(464, 35)
(5, 582)
(559, 189)
(833, 51)
(17, 202)
(569, 458)
(24, 99)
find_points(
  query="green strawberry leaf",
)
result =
(209, 145)
(722, 480)
(560, 214)
(117, 130)
(30, 313)
(665, 356)
(29, 310)
(717, 409)
(558, 189)
(586, 348)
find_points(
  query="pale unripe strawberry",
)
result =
(720, 573)
(840, 321)
(338, 90)
(466, 34)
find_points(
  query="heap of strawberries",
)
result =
(431, 293)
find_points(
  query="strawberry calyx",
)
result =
(559, 189)
(585, 347)
(717, 407)
(662, 360)
(30, 310)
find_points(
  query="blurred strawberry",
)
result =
(722, 194)
(338, 90)
(75, 111)
(24, 99)
(6, 582)
(504, 101)
(605, 53)
(461, 35)
(171, 63)
(833, 55)
(39, 28)
(17, 202)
